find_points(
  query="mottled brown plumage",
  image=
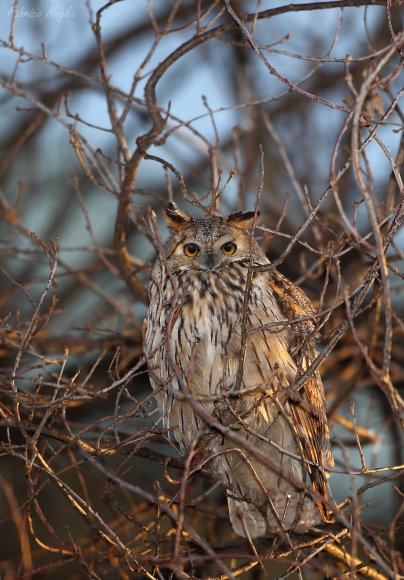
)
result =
(197, 330)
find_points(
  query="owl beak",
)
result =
(210, 261)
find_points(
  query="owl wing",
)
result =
(308, 406)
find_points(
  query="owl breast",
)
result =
(200, 316)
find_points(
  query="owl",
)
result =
(235, 337)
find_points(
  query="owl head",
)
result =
(209, 243)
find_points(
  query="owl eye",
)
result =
(229, 248)
(191, 250)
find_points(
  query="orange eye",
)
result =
(191, 250)
(229, 248)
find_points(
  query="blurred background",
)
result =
(108, 109)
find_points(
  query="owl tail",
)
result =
(246, 519)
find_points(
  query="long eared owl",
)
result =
(238, 336)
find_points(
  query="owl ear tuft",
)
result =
(242, 219)
(175, 217)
